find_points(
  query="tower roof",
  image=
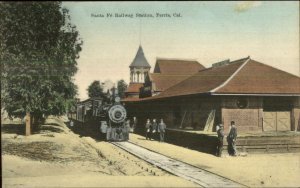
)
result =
(140, 60)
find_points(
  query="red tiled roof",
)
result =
(164, 81)
(203, 81)
(134, 88)
(258, 78)
(183, 67)
(243, 76)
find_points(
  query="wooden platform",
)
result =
(269, 142)
(265, 142)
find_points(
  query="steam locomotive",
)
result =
(103, 118)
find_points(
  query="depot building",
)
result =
(188, 96)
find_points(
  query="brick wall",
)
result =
(248, 119)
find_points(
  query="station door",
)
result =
(277, 121)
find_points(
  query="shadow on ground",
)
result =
(19, 129)
(88, 129)
(13, 129)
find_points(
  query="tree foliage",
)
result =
(38, 51)
(95, 89)
(122, 86)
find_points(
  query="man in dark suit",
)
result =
(161, 130)
(134, 124)
(154, 129)
(220, 132)
(231, 139)
(148, 129)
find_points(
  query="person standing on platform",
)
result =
(231, 139)
(127, 129)
(148, 129)
(162, 129)
(154, 129)
(103, 129)
(134, 124)
(119, 134)
(220, 132)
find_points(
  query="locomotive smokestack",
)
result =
(115, 95)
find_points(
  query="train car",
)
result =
(106, 118)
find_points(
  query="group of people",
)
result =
(154, 129)
(231, 139)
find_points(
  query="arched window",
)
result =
(138, 76)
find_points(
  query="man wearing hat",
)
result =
(231, 139)
(220, 131)
(161, 130)
(148, 129)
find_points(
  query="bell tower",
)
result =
(139, 67)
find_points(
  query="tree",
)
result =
(38, 51)
(95, 89)
(122, 86)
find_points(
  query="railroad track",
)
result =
(194, 174)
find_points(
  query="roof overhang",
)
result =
(260, 94)
(214, 94)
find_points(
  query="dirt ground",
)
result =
(254, 170)
(56, 157)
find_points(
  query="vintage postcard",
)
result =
(150, 94)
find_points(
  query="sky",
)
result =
(208, 32)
